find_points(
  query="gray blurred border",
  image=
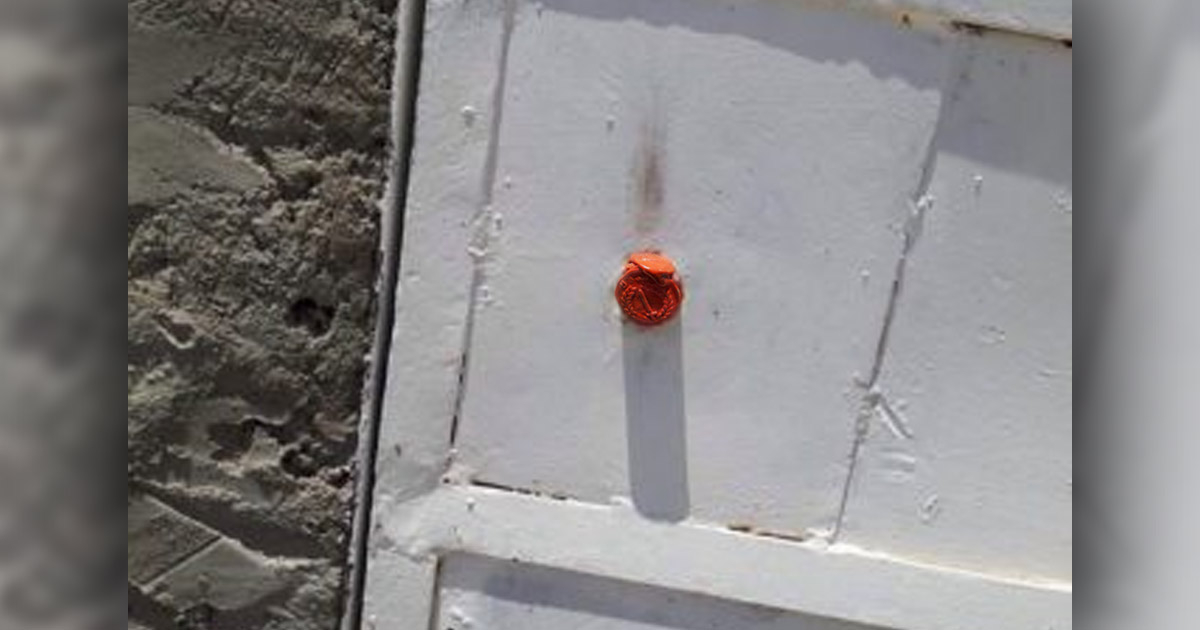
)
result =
(62, 82)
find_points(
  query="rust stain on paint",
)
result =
(649, 190)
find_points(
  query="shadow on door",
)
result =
(656, 425)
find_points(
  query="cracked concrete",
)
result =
(258, 137)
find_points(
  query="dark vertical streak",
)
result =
(435, 598)
(649, 178)
(491, 164)
(406, 80)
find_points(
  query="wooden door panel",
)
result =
(860, 417)
(772, 151)
(978, 364)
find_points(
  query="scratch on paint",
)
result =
(486, 218)
(891, 418)
(920, 203)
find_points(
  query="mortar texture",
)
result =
(258, 138)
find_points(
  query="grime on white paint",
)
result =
(861, 416)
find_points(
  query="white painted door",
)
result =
(862, 415)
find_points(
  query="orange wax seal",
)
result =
(649, 292)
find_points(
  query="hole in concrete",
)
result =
(232, 440)
(299, 462)
(306, 312)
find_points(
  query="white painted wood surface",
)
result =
(433, 296)
(772, 152)
(788, 156)
(615, 542)
(978, 364)
(482, 593)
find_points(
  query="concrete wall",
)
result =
(258, 137)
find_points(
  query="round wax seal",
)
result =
(649, 290)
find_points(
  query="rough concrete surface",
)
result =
(257, 137)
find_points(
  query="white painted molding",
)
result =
(837, 581)
(445, 193)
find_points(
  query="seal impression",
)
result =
(649, 291)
